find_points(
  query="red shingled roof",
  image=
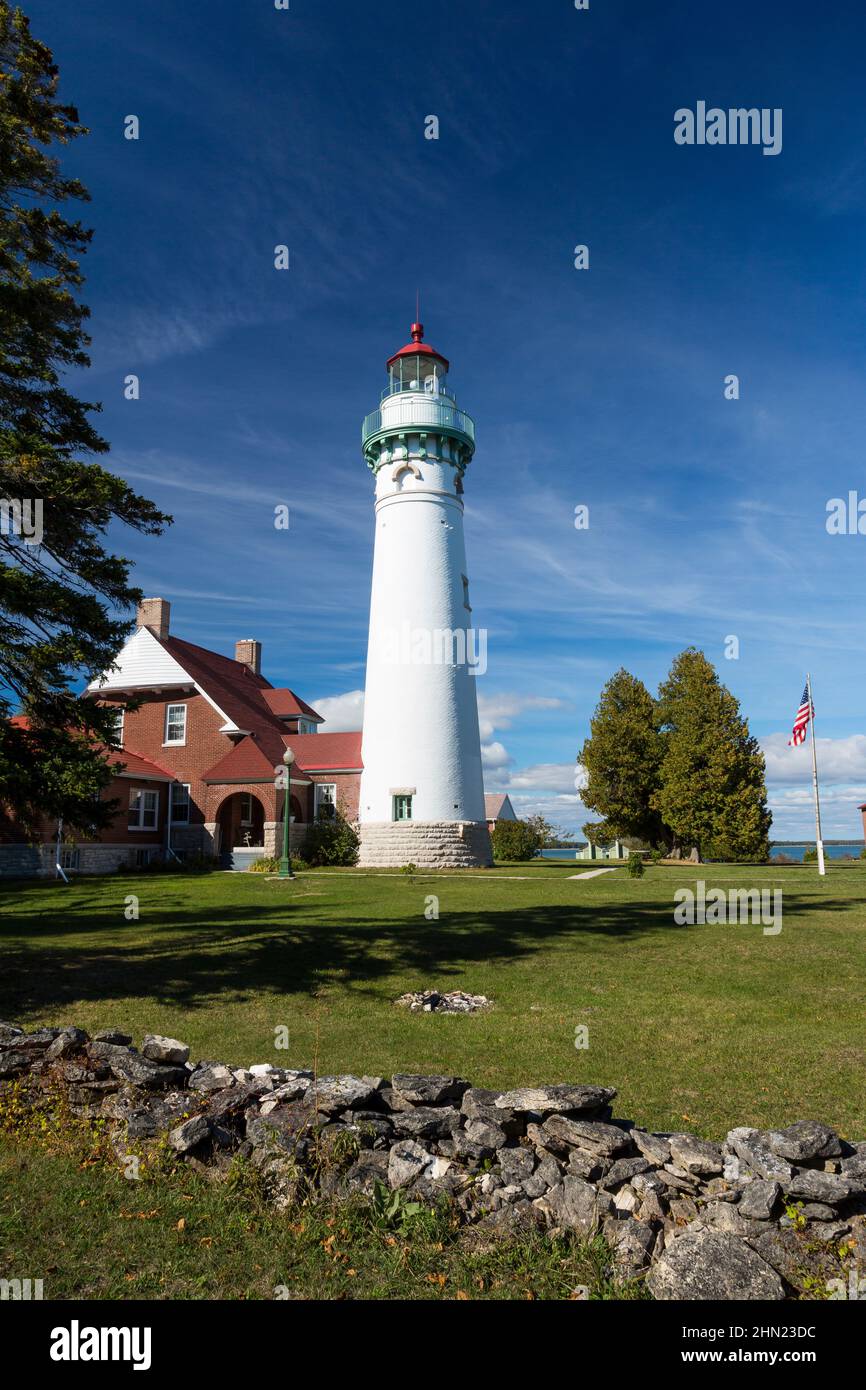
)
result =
(285, 704)
(135, 764)
(326, 752)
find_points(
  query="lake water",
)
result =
(853, 847)
(830, 851)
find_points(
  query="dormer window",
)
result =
(175, 724)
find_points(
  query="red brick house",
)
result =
(199, 758)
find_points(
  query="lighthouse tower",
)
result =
(422, 793)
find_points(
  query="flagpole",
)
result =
(819, 843)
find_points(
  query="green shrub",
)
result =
(635, 866)
(266, 865)
(331, 840)
(516, 840)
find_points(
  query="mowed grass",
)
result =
(699, 1027)
(88, 1233)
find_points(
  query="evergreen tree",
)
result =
(622, 758)
(59, 598)
(713, 793)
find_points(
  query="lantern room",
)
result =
(417, 367)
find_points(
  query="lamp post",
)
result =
(285, 869)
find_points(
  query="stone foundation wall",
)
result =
(772, 1214)
(427, 844)
(38, 861)
(273, 837)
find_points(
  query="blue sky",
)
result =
(602, 387)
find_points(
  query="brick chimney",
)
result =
(250, 653)
(154, 613)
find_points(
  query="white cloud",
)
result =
(495, 755)
(340, 712)
(500, 711)
(839, 759)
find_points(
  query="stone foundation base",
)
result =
(428, 844)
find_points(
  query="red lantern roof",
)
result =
(417, 348)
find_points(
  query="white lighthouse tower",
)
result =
(422, 792)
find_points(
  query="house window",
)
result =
(403, 806)
(326, 799)
(246, 808)
(70, 857)
(117, 731)
(143, 809)
(142, 858)
(175, 724)
(306, 726)
(180, 803)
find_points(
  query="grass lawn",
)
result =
(699, 1027)
(88, 1233)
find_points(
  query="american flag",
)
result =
(804, 714)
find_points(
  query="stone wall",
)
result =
(427, 844)
(29, 861)
(771, 1214)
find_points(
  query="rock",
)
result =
(517, 1165)
(683, 1210)
(853, 1165)
(485, 1135)
(477, 1102)
(600, 1140)
(429, 1090)
(332, 1094)
(574, 1205)
(9, 1033)
(623, 1170)
(830, 1188)
(817, 1211)
(129, 1065)
(632, 1243)
(146, 1116)
(455, 1001)
(211, 1076)
(68, 1041)
(655, 1147)
(294, 1089)
(626, 1200)
(651, 1208)
(759, 1200)
(696, 1156)
(287, 1127)
(804, 1142)
(38, 1041)
(159, 1049)
(407, 1162)
(712, 1265)
(585, 1165)
(678, 1182)
(562, 1099)
(231, 1101)
(752, 1149)
(14, 1063)
(724, 1216)
(371, 1167)
(189, 1134)
(111, 1035)
(428, 1122)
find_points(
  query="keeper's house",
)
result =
(198, 757)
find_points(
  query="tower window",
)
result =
(403, 807)
(466, 603)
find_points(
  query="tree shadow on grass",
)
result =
(192, 955)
